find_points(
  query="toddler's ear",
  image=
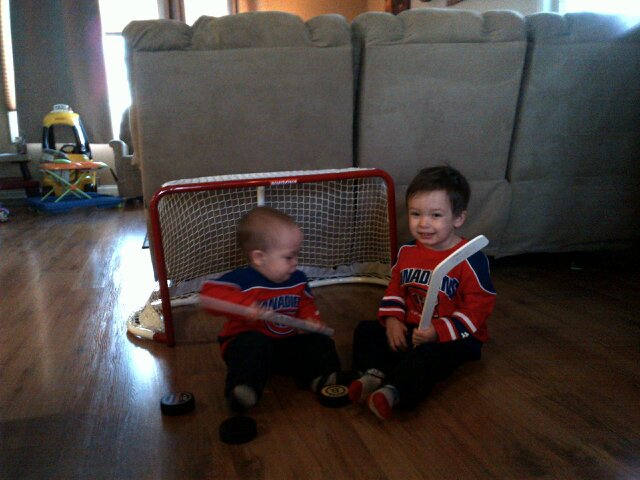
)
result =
(459, 220)
(256, 257)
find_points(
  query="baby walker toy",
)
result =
(69, 173)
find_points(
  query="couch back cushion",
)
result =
(575, 170)
(245, 93)
(440, 86)
(580, 98)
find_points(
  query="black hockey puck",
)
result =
(237, 430)
(177, 403)
(334, 396)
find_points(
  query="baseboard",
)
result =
(12, 195)
(108, 190)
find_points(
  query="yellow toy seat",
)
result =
(66, 123)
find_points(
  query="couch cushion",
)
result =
(580, 99)
(574, 169)
(240, 94)
(438, 87)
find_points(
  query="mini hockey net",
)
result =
(347, 217)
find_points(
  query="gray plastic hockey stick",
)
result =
(271, 316)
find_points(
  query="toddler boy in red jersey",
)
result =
(400, 364)
(253, 348)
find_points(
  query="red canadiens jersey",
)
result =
(245, 286)
(466, 296)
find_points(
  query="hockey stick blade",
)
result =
(444, 267)
(235, 309)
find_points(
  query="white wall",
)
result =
(525, 7)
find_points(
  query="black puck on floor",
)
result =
(334, 396)
(237, 430)
(177, 403)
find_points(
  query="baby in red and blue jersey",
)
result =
(253, 348)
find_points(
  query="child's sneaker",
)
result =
(360, 388)
(381, 402)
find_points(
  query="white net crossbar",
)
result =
(344, 220)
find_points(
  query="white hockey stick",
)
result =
(271, 316)
(442, 269)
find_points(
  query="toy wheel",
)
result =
(45, 190)
(91, 187)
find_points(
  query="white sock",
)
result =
(319, 382)
(244, 395)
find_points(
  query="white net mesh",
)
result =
(345, 224)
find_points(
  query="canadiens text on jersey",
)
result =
(466, 296)
(245, 286)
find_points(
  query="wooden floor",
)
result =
(556, 396)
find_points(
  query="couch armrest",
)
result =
(120, 149)
(129, 178)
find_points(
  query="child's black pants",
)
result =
(413, 372)
(251, 357)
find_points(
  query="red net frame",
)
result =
(364, 197)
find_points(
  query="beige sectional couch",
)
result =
(541, 113)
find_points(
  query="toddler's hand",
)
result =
(255, 311)
(427, 335)
(396, 334)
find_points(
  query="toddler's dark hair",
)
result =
(442, 178)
